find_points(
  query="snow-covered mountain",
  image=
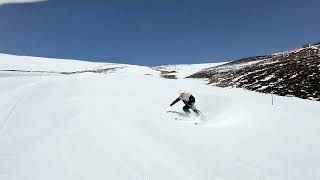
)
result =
(62, 119)
(176, 71)
(291, 73)
(12, 63)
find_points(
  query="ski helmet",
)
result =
(182, 91)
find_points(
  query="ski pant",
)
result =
(190, 106)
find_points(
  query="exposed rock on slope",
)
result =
(292, 73)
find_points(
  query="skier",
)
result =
(189, 100)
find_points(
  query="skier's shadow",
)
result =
(178, 113)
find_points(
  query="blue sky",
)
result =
(157, 32)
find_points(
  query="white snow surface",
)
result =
(185, 70)
(116, 126)
(28, 63)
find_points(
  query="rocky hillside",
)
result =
(291, 73)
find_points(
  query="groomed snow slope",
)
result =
(115, 126)
(27, 63)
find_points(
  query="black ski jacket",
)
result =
(187, 99)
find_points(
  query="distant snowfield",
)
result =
(116, 126)
(12, 62)
(185, 70)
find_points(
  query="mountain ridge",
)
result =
(290, 73)
(294, 72)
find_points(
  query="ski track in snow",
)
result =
(116, 126)
(12, 107)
